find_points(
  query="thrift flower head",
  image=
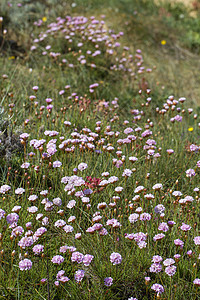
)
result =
(25, 264)
(108, 281)
(77, 257)
(163, 42)
(19, 191)
(4, 189)
(197, 281)
(158, 288)
(12, 218)
(57, 259)
(190, 173)
(82, 166)
(197, 240)
(79, 275)
(37, 249)
(170, 271)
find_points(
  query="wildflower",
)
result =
(79, 275)
(4, 189)
(113, 179)
(133, 218)
(108, 281)
(197, 240)
(25, 242)
(71, 219)
(189, 199)
(25, 165)
(71, 204)
(159, 209)
(85, 199)
(17, 231)
(19, 191)
(185, 227)
(168, 262)
(25, 264)
(24, 136)
(155, 268)
(57, 259)
(57, 164)
(119, 189)
(177, 194)
(2, 213)
(179, 243)
(177, 257)
(82, 166)
(194, 148)
(32, 209)
(163, 227)
(182, 99)
(115, 258)
(78, 236)
(102, 205)
(133, 159)
(32, 198)
(178, 118)
(127, 173)
(190, 173)
(68, 228)
(87, 259)
(158, 288)
(158, 237)
(57, 201)
(163, 42)
(170, 151)
(139, 189)
(43, 280)
(114, 223)
(145, 217)
(197, 281)
(60, 223)
(157, 259)
(37, 249)
(56, 283)
(189, 253)
(147, 279)
(77, 257)
(12, 218)
(157, 187)
(128, 130)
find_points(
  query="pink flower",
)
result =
(25, 264)
(197, 281)
(170, 270)
(115, 258)
(197, 240)
(57, 259)
(158, 288)
(190, 173)
(108, 281)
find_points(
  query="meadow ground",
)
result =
(99, 150)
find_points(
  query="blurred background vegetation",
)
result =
(168, 33)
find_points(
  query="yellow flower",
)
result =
(190, 129)
(11, 57)
(163, 42)
(44, 19)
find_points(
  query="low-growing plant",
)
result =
(103, 202)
